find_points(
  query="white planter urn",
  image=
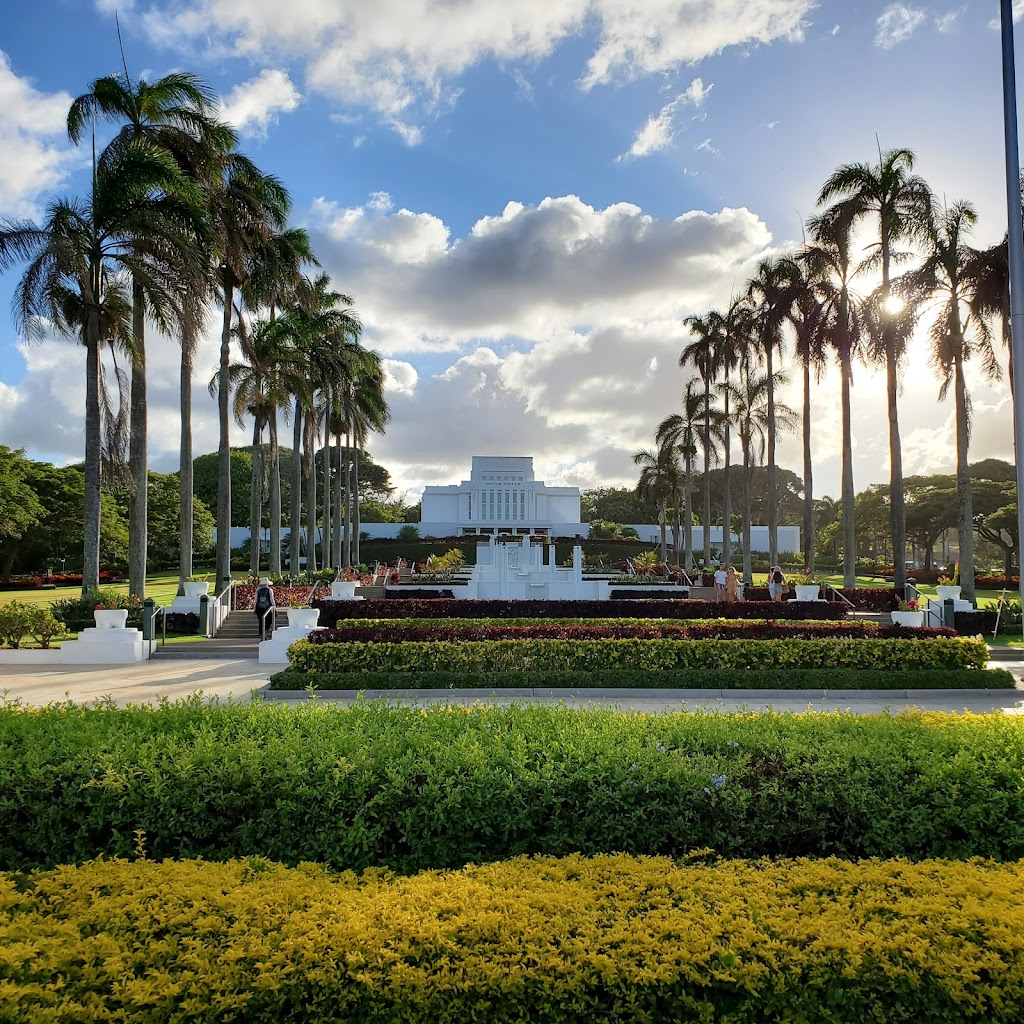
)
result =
(807, 591)
(947, 593)
(913, 620)
(111, 618)
(303, 618)
(194, 588)
(343, 590)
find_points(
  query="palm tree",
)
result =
(134, 226)
(770, 293)
(261, 383)
(655, 484)
(175, 114)
(830, 264)
(246, 207)
(683, 431)
(900, 204)
(752, 416)
(734, 340)
(700, 354)
(365, 410)
(275, 281)
(806, 313)
(950, 274)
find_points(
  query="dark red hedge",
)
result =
(387, 608)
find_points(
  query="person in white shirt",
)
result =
(720, 578)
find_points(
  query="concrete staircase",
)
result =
(237, 638)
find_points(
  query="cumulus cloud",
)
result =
(403, 60)
(657, 133)
(33, 140)
(252, 107)
(896, 24)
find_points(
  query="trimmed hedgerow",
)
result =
(415, 788)
(379, 608)
(648, 655)
(548, 940)
(395, 630)
(687, 679)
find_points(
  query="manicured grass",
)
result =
(1004, 640)
(161, 586)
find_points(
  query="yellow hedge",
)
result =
(545, 940)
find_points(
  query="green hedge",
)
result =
(410, 788)
(686, 679)
(647, 655)
(546, 940)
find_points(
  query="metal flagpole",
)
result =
(1015, 237)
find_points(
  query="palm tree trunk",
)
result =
(224, 449)
(91, 509)
(897, 509)
(138, 461)
(355, 505)
(185, 485)
(808, 472)
(311, 509)
(329, 557)
(773, 491)
(347, 546)
(687, 517)
(256, 497)
(275, 498)
(677, 528)
(748, 565)
(964, 503)
(339, 518)
(663, 524)
(849, 522)
(706, 523)
(727, 493)
(295, 523)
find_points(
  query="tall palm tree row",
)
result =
(175, 220)
(811, 296)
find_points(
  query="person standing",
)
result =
(776, 584)
(732, 584)
(265, 607)
(720, 582)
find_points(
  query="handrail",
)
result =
(272, 610)
(930, 609)
(842, 597)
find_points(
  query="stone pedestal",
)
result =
(105, 647)
(275, 650)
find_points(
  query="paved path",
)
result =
(151, 681)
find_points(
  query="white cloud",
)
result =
(1018, 13)
(252, 107)
(657, 133)
(33, 141)
(896, 24)
(401, 59)
(946, 22)
(707, 147)
(835, 30)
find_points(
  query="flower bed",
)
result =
(245, 594)
(331, 611)
(541, 939)
(411, 788)
(67, 579)
(650, 655)
(398, 630)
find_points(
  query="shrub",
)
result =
(76, 613)
(411, 788)
(14, 623)
(419, 606)
(43, 626)
(824, 680)
(544, 939)
(408, 533)
(650, 655)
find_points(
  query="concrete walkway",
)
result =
(152, 681)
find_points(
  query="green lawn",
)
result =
(161, 586)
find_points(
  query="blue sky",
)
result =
(525, 197)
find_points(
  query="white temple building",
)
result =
(502, 495)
